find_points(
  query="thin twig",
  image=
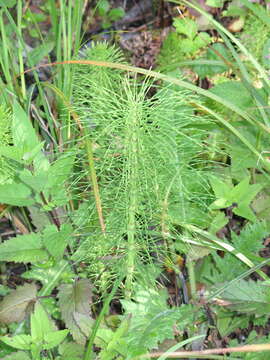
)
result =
(242, 349)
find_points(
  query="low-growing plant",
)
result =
(141, 181)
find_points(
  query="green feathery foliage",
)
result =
(6, 168)
(144, 150)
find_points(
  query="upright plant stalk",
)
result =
(132, 143)
(4, 58)
(20, 49)
(93, 176)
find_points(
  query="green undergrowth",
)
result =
(142, 205)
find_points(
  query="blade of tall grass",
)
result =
(4, 58)
(21, 48)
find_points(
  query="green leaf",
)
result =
(227, 322)
(216, 52)
(220, 188)
(186, 27)
(43, 330)
(241, 195)
(19, 355)
(116, 14)
(24, 135)
(29, 156)
(248, 296)
(12, 152)
(39, 218)
(56, 241)
(40, 324)
(71, 351)
(74, 300)
(241, 160)
(261, 206)
(16, 194)
(22, 342)
(235, 92)
(244, 210)
(218, 222)
(60, 171)
(244, 192)
(36, 182)
(39, 52)
(49, 275)
(248, 243)
(23, 248)
(151, 320)
(202, 40)
(14, 306)
(57, 176)
(250, 239)
(103, 7)
(116, 344)
(54, 338)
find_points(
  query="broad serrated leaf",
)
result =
(14, 306)
(59, 171)
(12, 152)
(36, 183)
(151, 320)
(16, 194)
(186, 27)
(56, 240)
(21, 342)
(54, 338)
(29, 156)
(19, 355)
(248, 296)
(74, 300)
(24, 248)
(50, 275)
